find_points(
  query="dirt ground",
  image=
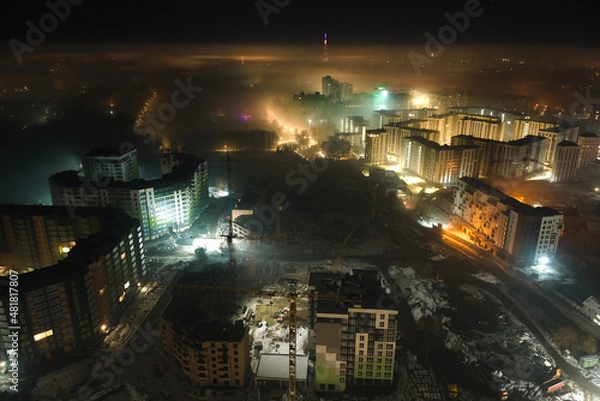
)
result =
(269, 308)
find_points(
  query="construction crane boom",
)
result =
(293, 295)
(278, 213)
(338, 260)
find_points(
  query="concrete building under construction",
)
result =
(355, 334)
(200, 330)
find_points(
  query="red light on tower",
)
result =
(325, 58)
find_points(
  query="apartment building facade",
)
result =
(514, 159)
(567, 158)
(204, 332)
(355, 335)
(501, 224)
(376, 146)
(219, 359)
(485, 127)
(68, 306)
(590, 148)
(33, 237)
(527, 126)
(438, 164)
(555, 135)
(170, 203)
(111, 163)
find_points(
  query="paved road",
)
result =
(478, 259)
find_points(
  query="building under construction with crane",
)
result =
(355, 331)
(201, 331)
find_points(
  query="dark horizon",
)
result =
(535, 23)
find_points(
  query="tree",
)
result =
(588, 344)
(566, 338)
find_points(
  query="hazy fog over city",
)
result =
(300, 200)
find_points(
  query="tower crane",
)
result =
(230, 235)
(338, 260)
(278, 214)
(292, 295)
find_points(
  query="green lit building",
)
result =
(168, 204)
(355, 329)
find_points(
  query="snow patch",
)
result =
(487, 277)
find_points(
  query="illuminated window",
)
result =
(122, 297)
(65, 249)
(42, 335)
(123, 256)
(127, 285)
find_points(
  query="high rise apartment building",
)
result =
(499, 223)
(111, 163)
(512, 159)
(170, 203)
(555, 135)
(355, 335)
(590, 148)
(526, 126)
(485, 127)
(200, 330)
(567, 157)
(438, 164)
(67, 306)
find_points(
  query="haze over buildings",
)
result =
(299, 200)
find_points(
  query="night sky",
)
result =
(529, 22)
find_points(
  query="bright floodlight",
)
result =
(544, 260)
(210, 245)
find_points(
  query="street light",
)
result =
(544, 260)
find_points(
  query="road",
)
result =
(479, 259)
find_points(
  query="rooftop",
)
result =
(108, 152)
(338, 292)
(181, 173)
(566, 143)
(276, 366)
(203, 314)
(512, 203)
(115, 225)
(437, 146)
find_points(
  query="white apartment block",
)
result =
(590, 148)
(480, 127)
(555, 135)
(102, 163)
(170, 203)
(511, 229)
(526, 126)
(566, 161)
(437, 164)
